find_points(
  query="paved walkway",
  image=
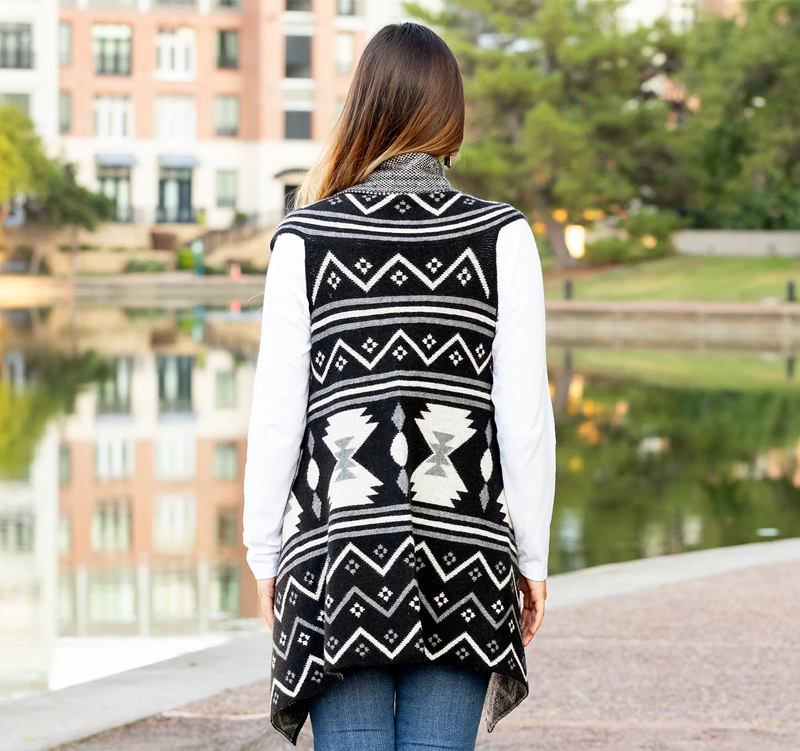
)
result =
(694, 652)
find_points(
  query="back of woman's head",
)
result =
(406, 95)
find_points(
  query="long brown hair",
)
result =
(406, 95)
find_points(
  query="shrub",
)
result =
(609, 250)
(185, 258)
(151, 265)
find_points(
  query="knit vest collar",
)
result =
(414, 172)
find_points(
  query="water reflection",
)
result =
(122, 440)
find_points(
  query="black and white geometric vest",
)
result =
(397, 542)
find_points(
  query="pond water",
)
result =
(122, 444)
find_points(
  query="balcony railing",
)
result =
(188, 4)
(228, 4)
(176, 215)
(20, 58)
(299, 5)
(227, 62)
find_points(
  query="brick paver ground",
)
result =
(707, 665)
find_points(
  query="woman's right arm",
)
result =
(280, 402)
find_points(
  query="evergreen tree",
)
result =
(564, 115)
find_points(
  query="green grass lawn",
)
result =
(704, 370)
(683, 278)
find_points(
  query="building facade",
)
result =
(28, 62)
(194, 110)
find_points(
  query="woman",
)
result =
(401, 455)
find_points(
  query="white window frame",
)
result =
(113, 118)
(176, 119)
(176, 51)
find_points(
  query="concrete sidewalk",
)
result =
(695, 651)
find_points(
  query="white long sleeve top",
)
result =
(520, 395)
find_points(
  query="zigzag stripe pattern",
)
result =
(398, 547)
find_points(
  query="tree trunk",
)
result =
(558, 244)
(36, 260)
(4, 212)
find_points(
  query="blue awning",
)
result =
(116, 160)
(178, 161)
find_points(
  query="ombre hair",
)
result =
(406, 95)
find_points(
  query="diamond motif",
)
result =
(398, 277)
(464, 276)
(334, 279)
(480, 351)
(385, 594)
(429, 341)
(468, 614)
(340, 363)
(363, 265)
(434, 265)
(400, 352)
(362, 649)
(461, 653)
(402, 207)
(357, 610)
(319, 359)
(455, 356)
(369, 345)
(441, 599)
(351, 566)
(391, 636)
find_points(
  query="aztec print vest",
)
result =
(397, 542)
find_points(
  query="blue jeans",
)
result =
(411, 707)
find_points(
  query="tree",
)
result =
(745, 139)
(564, 117)
(68, 204)
(24, 167)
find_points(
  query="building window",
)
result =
(226, 391)
(64, 465)
(111, 47)
(226, 461)
(64, 534)
(174, 523)
(298, 124)
(112, 596)
(111, 527)
(345, 53)
(173, 595)
(298, 5)
(175, 204)
(226, 115)
(113, 117)
(64, 112)
(176, 457)
(224, 591)
(228, 4)
(227, 527)
(17, 530)
(113, 458)
(20, 101)
(16, 45)
(174, 380)
(226, 196)
(289, 193)
(347, 7)
(176, 119)
(114, 394)
(298, 57)
(64, 43)
(177, 55)
(115, 183)
(227, 49)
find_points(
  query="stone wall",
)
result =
(737, 243)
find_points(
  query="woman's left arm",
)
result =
(280, 402)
